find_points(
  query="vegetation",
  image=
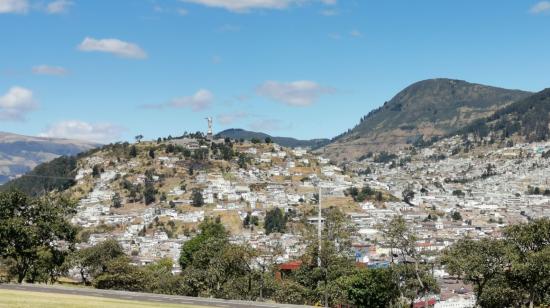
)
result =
(512, 271)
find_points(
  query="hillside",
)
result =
(20, 154)
(526, 121)
(237, 134)
(426, 109)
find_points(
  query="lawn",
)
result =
(24, 299)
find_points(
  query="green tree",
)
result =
(133, 151)
(530, 258)
(93, 261)
(372, 288)
(275, 221)
(116, 201)
(152, 153)
(414, 277)
(477, 262)
(197, 199)
(209, 229)
(32, 226)
(149, 193)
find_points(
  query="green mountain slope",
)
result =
(426, 109)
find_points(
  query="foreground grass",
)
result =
(24, 299)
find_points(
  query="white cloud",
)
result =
(49, 70)
(230, 118)
(201, 100)
(541, 7)
(296, 93)
(58, 6)
(15, 104)
(356, 33)
(329, 12)
(243, 6)
(14, 6)
(266, 125)
(182, 12)
(114, 46)
(74, 129)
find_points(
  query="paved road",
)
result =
(146, 297)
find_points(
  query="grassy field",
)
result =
(24, 299)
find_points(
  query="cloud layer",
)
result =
(243, 6)
(74, 129)
(230, 118)
(296, 93)
(14, 6)
(541, 7)
(16, 103)
(49, 70)
(202, 99)
(113, 46)
(58, 6)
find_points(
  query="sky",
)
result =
(107, 70)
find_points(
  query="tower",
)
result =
(209, 133)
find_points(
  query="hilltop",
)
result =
(426, 109)
(20, 154)
(237, 134)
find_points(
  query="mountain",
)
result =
(426, 109)
(20, 154)
(527, 120)
(237, 133)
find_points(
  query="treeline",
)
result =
(510, 272)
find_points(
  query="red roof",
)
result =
(290, 266)
(431, 302)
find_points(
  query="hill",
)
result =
(20, 154)
(237, 134)
(527, 120)
(426, 109)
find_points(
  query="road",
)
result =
(145, 297)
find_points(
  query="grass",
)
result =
(25, 299)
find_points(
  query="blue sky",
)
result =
(107, 70)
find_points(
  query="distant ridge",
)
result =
(20, 154)
(423, 110)
(237, 133)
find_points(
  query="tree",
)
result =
(133, 151)
(119, 274)
(116, 201)
(149, 193)
(408, 195)
(456, 216)
(530, 258)
(255, 140)
(96, 171)
(31, 226)
(372, 288)
(476, 261)
(275, 221)
(93, 261)
(152, 153)
(209, 229)
(268, 140)
(415, 281)
(197, 199)
(138, 138)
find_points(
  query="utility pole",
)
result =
(319, 227)
(320, 236)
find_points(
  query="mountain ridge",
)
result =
(424, 110)
(239, 133)
(19, 154)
